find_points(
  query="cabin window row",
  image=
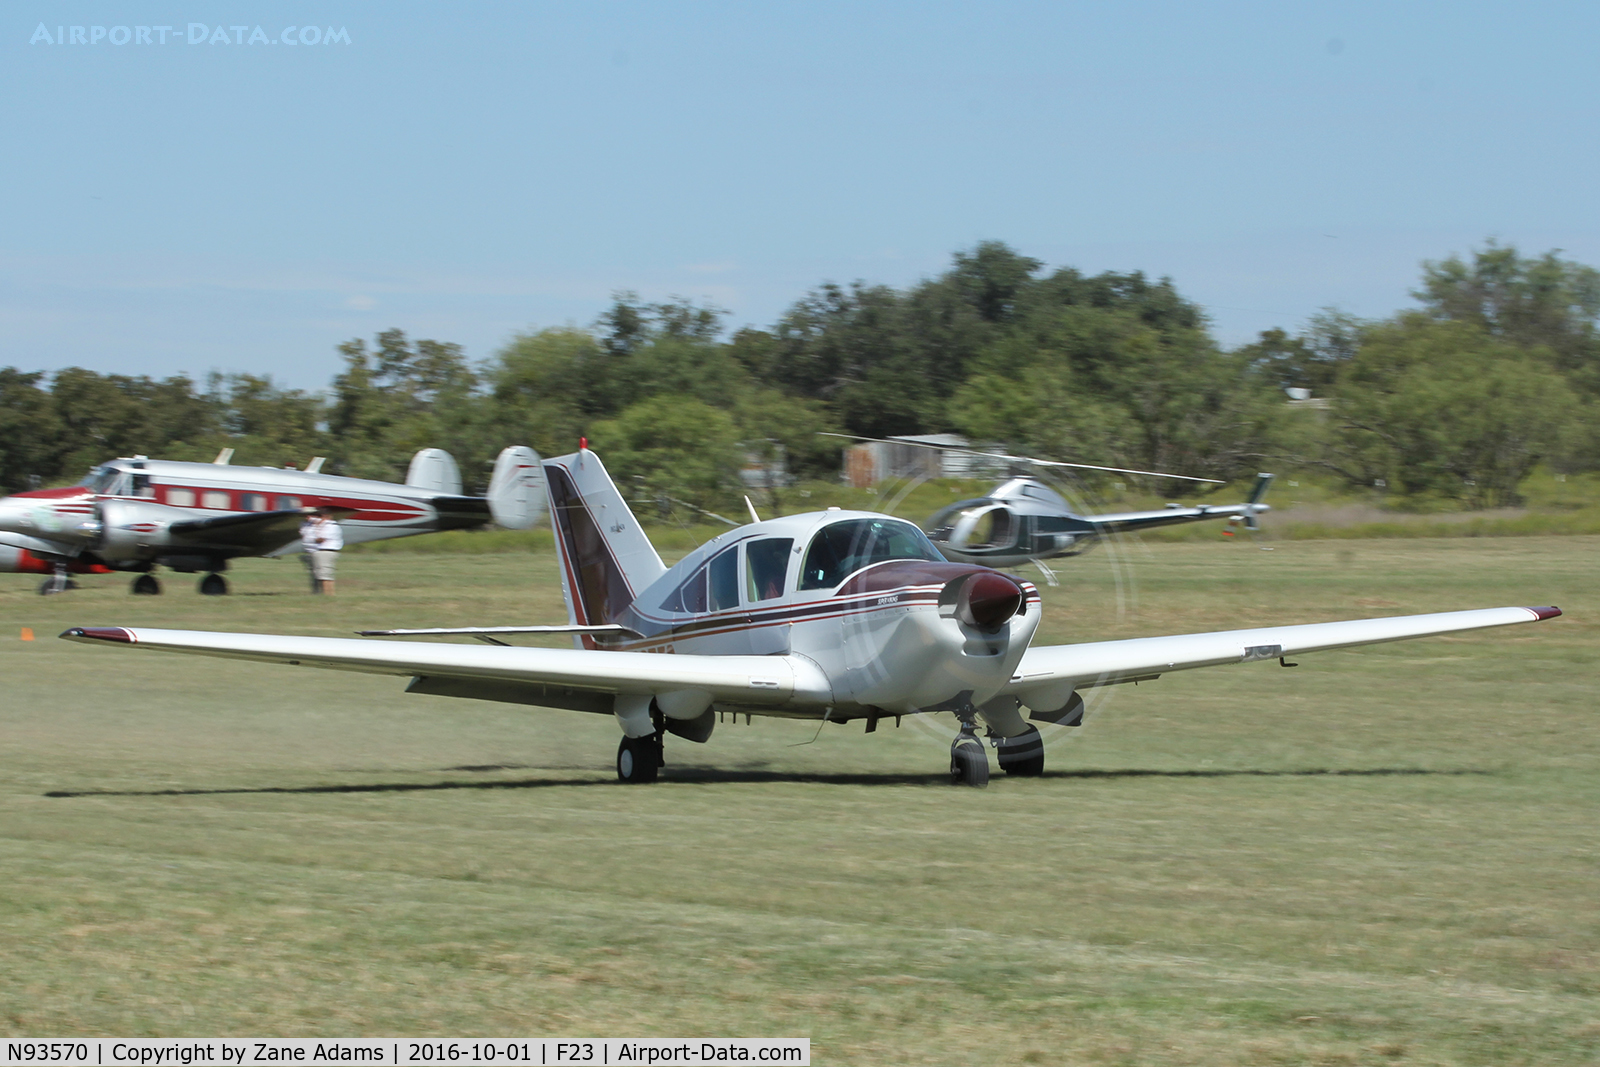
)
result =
(223, 500)
(837, 551)
(715, 587)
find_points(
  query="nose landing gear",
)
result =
(57, 583)
(969, 764)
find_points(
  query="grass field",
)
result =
(1383, 856)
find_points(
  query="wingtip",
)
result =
(100, 633)
(1545, 612)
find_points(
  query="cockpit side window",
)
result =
(690, 596)
(724, 574)
(766, 563)
(839, 550)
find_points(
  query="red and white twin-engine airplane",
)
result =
(137, 514)
(832, 615)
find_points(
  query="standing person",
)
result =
(308, 547)
(322, 540)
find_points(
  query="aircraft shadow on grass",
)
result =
(709, 774)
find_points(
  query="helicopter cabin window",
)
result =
(142, 486)
(765, 564)
(288, 503)
(255, 502)
(993, 529)
(215, 498)
(724, 574)
(179, 497)
(841, 549)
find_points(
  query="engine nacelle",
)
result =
(133, 529)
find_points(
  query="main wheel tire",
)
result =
(146, 585)
(51, 586)
(213, 585)
(638, 759)
(969, 765)
(1022, 755)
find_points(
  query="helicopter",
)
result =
(1023, 520)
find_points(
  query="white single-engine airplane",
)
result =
(832, 615)
(137, 514)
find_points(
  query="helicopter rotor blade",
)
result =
(1022, 459)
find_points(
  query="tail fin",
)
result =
(606, 560)
(516, 490)
(434, 469)
(1256, 506)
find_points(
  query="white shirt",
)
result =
(322, 535)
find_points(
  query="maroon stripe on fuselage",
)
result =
(55, 494)
(813, 611)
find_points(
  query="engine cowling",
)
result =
(133, 529)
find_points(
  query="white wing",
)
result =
(554, 677)
(1108, 662)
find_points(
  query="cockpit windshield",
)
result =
(841, 549)
(99, 479)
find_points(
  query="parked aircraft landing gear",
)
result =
(639, 758)
(58, 582)
(146, 585)
(969, 764)
(213, 585)
(1023, 755)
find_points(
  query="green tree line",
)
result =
(1497, 370)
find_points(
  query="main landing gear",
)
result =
(213, 585)
(146, 585)
(1023, 755)
(639, 759)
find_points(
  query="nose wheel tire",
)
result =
(57, 584)
(146, 585)
(1023, 755)
(639, 759)
(213, 585)
(968, 764)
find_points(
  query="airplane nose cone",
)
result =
(987, 600)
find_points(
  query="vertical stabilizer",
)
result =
(516, 491)
(435, 469)
(606, 560)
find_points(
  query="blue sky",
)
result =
(467, 172)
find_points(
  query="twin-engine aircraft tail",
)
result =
(516, 489)
(606, 560)
(434, 469)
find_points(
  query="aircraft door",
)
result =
(766, 574)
